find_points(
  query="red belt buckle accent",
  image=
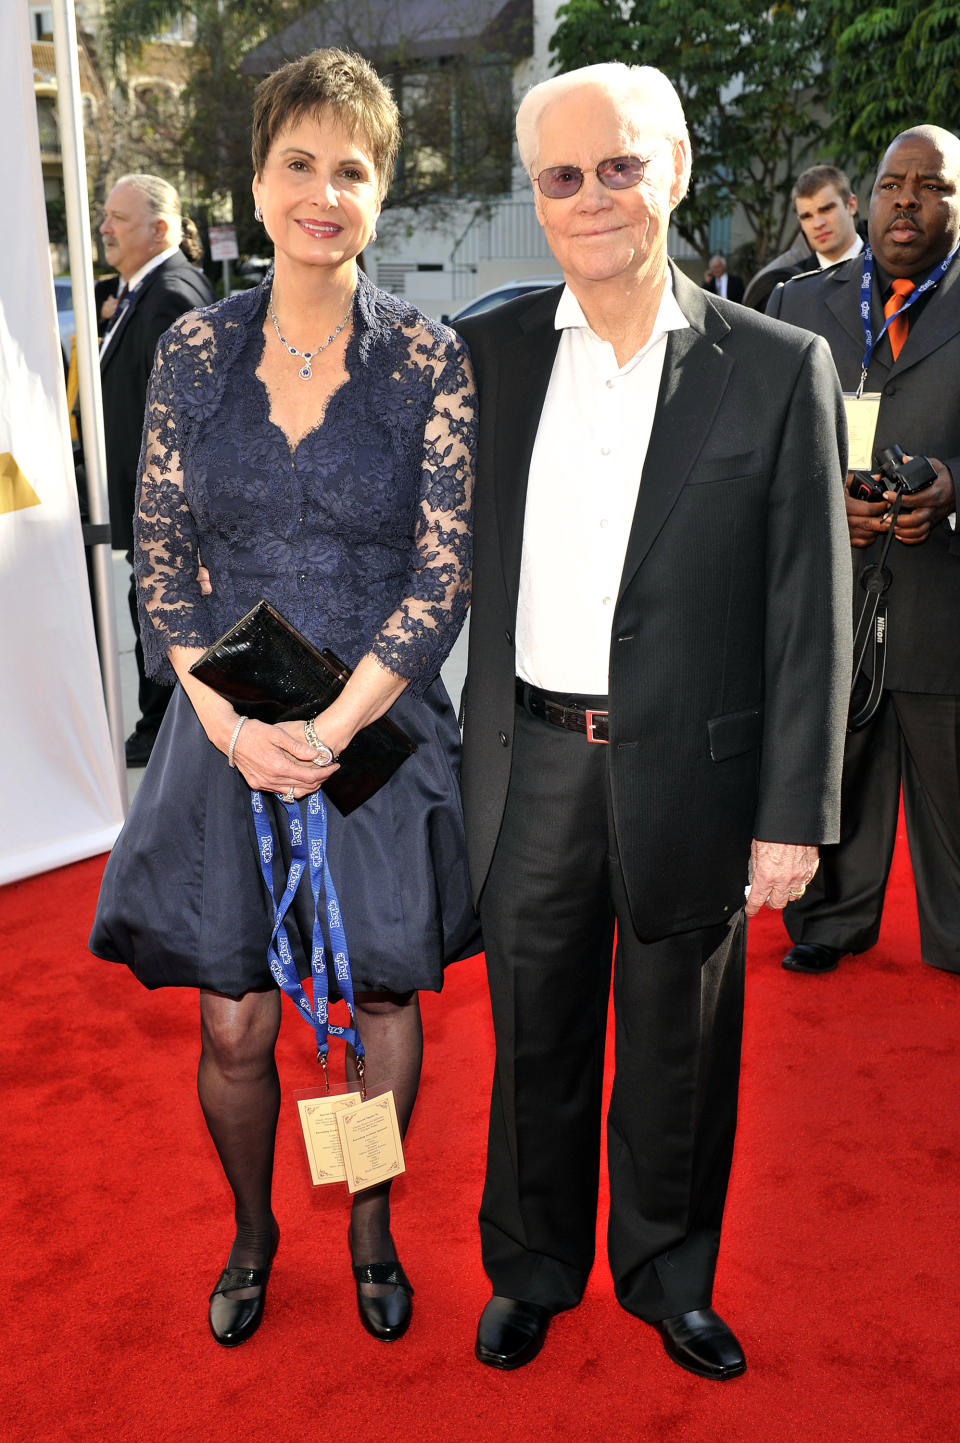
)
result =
(600, 741)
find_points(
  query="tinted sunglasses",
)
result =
(559, 182)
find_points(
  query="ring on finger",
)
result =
(289, 796)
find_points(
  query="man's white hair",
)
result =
(635, 88)
(162, 201)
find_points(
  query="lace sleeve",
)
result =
(416, 639)
(172, 610)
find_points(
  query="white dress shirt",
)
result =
(852, 250)
(581, 495)
(134, 281)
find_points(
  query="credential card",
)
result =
(370, 1142)
(318, 1118)
(862, 412)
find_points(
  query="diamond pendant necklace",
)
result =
(306, 371)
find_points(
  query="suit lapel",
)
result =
(136, 299)
(526, 364)
(695, 375)
(937, 323)
(837, 301)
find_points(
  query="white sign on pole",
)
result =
(223, 243)
(57, 775)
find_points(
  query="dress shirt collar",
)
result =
(669, 317)
(852, 250)
(151, 265)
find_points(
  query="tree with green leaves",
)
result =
(891, 67)
(207, 135)
(456, 108)
(749, 75)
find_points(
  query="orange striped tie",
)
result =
(897, 329)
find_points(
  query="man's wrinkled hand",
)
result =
(780, 872)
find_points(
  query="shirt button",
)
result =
(503, 739)
(609, 385)
(607, 600)
(604, 523)
(604, 450)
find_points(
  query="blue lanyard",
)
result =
(866, 284)
(309, 853)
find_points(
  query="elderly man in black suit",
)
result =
(719, 282)
(656, 690)
(141, 232)
(914, 735)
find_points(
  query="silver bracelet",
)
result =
(233, 740)
(326, 754)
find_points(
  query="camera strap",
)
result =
(872, 625)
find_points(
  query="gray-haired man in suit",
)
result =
(656, 688)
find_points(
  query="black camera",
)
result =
(908, 477)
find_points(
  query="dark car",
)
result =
(63, 290)
(508, 291)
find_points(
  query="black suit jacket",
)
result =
(734, 287)
(729, 654)
(920, 411)
(162, 296)
(765, 282)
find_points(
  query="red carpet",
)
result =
(839, 1269)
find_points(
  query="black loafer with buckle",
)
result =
(234, 1319)
(385, 1316)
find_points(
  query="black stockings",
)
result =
(240, 1095)
(393, 1041)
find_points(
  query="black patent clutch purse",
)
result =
(268, 671)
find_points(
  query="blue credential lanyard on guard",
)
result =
(866, 284)
(308, 853)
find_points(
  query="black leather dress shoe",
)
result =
(511, 1332)
(137, 748)
(385, 1316)
(702, 1343)
(812, 957)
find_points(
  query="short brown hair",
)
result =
(817, 177)
(331, 80)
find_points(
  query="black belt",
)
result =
(593, 722)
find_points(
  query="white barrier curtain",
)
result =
(59, 794)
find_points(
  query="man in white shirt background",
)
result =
(826, 210)
(141, 230)
(720, 282)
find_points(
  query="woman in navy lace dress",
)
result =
(311, 442)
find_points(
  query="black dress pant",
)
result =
(552, 901)
(914, 738)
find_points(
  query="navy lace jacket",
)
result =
(360, 535)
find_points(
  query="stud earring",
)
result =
(257, 213)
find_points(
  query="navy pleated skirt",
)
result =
(183, 902)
